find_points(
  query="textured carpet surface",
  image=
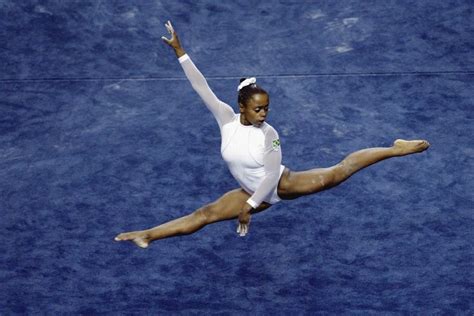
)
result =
(101, 133)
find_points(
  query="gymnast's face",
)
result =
(256, 110)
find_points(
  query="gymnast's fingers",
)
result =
(171, 26)
(168, 27)
(243, 231)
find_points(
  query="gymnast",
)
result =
(251, 149)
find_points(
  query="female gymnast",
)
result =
(251, 149)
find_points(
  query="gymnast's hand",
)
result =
(244, 220)
(174, 40)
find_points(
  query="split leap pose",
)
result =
(251, 149)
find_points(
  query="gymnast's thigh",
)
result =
(294, 184)
(229, 205)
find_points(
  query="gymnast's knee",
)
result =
(206, 214)
(342, 171)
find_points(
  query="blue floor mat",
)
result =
(101, 133)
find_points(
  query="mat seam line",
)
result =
(366, 74)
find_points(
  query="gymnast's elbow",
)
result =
(272, 177)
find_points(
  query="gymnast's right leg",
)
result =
(226, 207)
(295, 184)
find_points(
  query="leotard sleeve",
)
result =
(271, 162)
(221, 111)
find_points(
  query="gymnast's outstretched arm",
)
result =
(221, 111)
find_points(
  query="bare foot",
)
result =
(407, 147)
(139, 238)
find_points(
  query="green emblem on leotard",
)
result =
(276, 144)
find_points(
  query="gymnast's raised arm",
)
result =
(221, 111)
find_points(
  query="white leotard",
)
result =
(252, 154)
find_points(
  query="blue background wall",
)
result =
(101, 133)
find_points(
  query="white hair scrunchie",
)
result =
(246, 82)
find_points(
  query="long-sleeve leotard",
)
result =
(252, 154)
(221, 111)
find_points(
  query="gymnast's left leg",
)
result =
(295, 184)
(226, 207)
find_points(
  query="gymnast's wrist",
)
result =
(250, 204)
(179, 52)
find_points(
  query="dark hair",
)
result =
(248, 91)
